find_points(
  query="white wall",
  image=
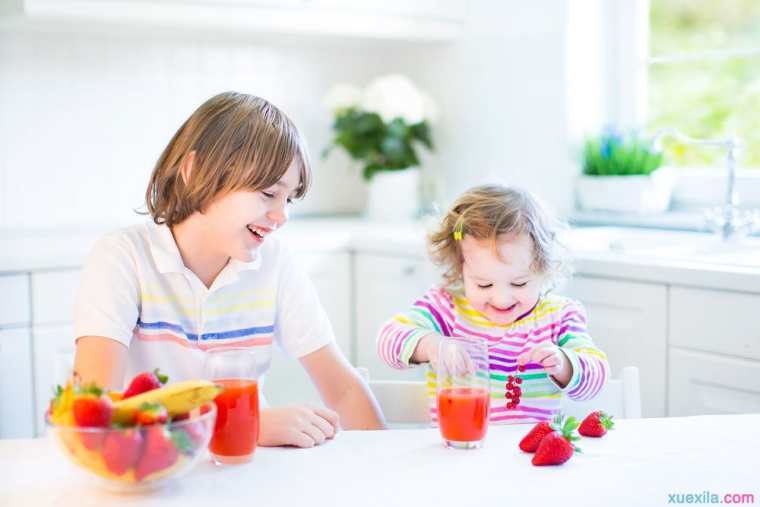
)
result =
(85, 116)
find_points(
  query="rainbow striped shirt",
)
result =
(554, 319)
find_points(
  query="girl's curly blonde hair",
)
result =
(489, 211)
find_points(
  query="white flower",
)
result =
(342, 96)
(394, 96)
(430, 108)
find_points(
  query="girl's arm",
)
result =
(100, 360)
(343, 390)
(413, 336)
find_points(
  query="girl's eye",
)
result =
(485, 286)
(268, 195)
(290, 200)
(520, 284)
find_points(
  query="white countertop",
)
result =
(611, 252)
(640, 462)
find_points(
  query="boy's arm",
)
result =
(343, 390)
(100, 360)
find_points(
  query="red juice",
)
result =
(237, 419)
(463, 413)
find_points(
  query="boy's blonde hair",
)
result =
(489, 211)
(240, 142)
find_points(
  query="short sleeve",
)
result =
(301, 323)
(107, 302)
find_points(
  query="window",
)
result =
(704, 76)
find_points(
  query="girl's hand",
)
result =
(299, 425)
(457, 360)
(552, 359)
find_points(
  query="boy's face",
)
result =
(502, 289)
(242, 220)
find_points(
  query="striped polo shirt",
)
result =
(554, 319)
(135, 289)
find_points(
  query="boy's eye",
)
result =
(485, 286)
(290, 200)
(520, 284)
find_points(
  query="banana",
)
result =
(178, 398)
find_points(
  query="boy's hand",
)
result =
(299, 425)
(552, 359)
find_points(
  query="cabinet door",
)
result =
(15, 307)
(53, 363)
(715, 321)
(287, 382)
(386, 285)
(16, 397)
(53, 294)
(628, 321)
(702, 383)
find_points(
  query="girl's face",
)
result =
(240, 222)
(503, 288)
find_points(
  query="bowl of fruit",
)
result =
(137, 440)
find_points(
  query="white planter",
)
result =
(394, 195)
(633, 194)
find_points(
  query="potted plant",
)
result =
(381, 127)
(623, 172)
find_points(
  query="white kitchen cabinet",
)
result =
(53, 352)
(433, 20)
(628, 321)
(16, 397)
(715, 321)
(15, 309)
(287, 381)
(385, 286)
(53, 294)
(702, 383)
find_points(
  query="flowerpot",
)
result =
(394, 195)
(632, 194)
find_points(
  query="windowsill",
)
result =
(671, 220)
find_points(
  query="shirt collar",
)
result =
(168, 259)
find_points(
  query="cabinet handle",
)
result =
(409, 270)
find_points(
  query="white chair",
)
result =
(405, 403)
(619, 397)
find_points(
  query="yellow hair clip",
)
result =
(459, 230)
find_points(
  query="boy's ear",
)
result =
(186, 166)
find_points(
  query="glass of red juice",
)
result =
(463, 392)
(236, 430)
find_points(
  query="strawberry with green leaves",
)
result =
(144, 382)
(91, 410)
(159, 452)
(596, 424)
(151, 413)
(557, 447)
(530, 442)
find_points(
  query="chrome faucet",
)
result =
(729, 220)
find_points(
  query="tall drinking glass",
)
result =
(463, 392)
(237, 420)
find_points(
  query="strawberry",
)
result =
(143, 382)
(159, 452)
(596, 424)
(121, 449)
(151, 413)
(530, 442)
(92, 412)
(557, 447)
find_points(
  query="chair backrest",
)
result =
(405, 402)
(619, 397)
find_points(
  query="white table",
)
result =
(639, 463)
